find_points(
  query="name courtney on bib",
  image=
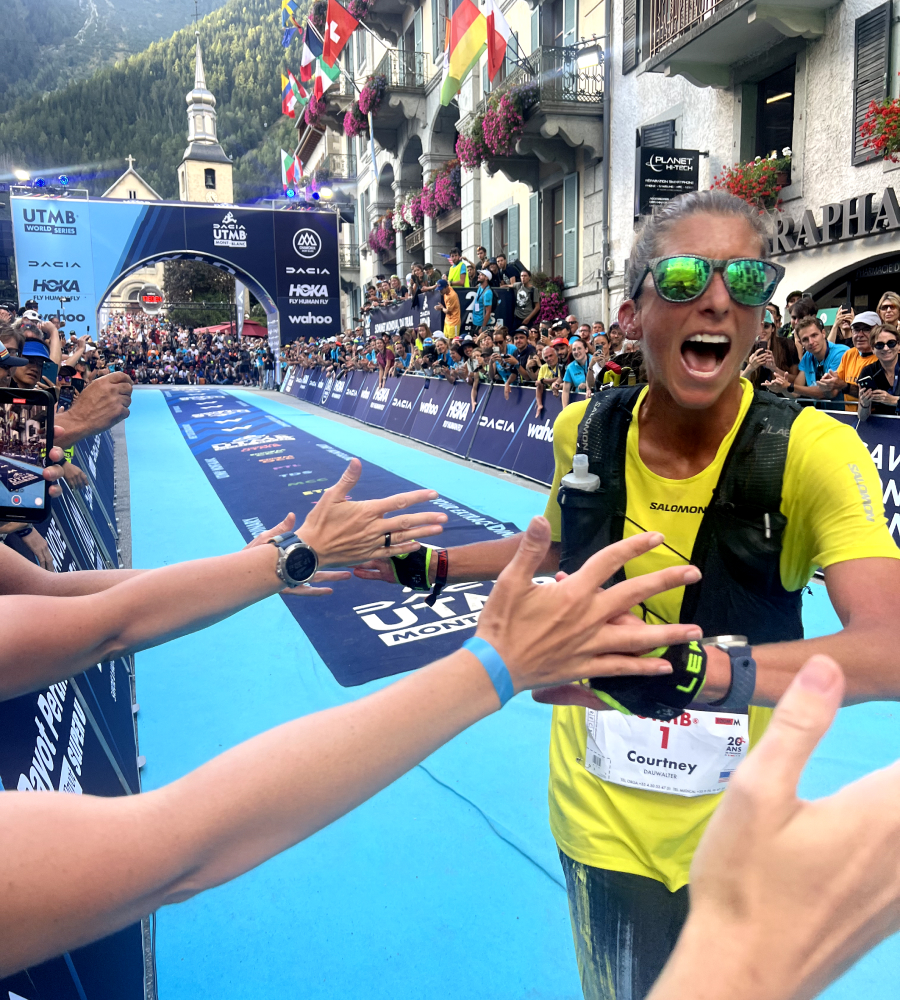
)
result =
(694, 754)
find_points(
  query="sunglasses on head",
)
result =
(685, 277)
(885, 345)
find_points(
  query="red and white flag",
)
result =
(497, 38)
(339, 26)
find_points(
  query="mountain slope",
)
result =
(68, 40)
(137, 107)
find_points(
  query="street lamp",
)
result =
(326, 193)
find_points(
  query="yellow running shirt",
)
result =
(832, 501)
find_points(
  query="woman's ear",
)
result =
(630, 320)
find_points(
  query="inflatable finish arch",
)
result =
(83, 248)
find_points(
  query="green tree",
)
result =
(189, 283)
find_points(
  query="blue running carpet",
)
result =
(447, 883)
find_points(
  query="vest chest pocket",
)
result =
(749, 544)
(585, 525)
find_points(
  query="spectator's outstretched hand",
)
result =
(573, 627)
(787, 894)
(103, 403)
(306, 590)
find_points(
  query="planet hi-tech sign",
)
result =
(663, 174)
(851, 219)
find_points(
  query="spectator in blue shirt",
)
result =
(820, 355)
(484, 302)
(576, 377)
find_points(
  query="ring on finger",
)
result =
(387, 539)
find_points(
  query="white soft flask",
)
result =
(579, 478)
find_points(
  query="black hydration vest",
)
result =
(739, 542)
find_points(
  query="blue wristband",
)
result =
(494, 665)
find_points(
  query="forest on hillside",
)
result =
(138, 107)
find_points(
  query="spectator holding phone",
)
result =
(820, 356)
(843, 378)
(840, 330)
(879, 382)
(771, 354)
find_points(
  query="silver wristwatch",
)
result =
(743, 672)
(297, 561)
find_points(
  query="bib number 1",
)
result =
(694, 754)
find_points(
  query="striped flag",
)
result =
(324, 78)
(497, 38)
(312, 50)
(468, 39)
(288, 98)
(287, 170)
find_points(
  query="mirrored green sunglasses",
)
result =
(750, 281)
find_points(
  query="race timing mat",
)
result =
(261, 468)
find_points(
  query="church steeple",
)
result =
(198, 180)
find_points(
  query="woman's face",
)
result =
(889, 312)
(694, 350)
(886, 355)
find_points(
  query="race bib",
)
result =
(694, 754)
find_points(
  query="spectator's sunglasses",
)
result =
(883, 345)
(685, 277)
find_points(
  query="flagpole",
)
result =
(337, 63)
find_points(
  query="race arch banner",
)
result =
(82, 249)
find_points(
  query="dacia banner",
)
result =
(82, 249)
(404, 404)
(365, 630)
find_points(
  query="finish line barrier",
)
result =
(79, 736)
(505, 433)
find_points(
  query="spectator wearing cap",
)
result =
(771, 354)
(450, 307)
(28, 375)
(483, 305)
(10, 353)
(576, 377)
(7, 313)
(550, 376)
(561, 344)
(864, 328)
(494, 270)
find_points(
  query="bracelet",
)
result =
(493, 663)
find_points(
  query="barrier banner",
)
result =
(430, 404)
(336, 396)
(456, 424)
(368, 385)
(351, 392)
(366, 630)
(531, 451)
(96, 456)
(288, 382)
(403, 404)
(299, 382)
(315, 385)
(380, 401)
(323, 397)
(881, 435)
(107, 696)
(397, 316)
(497, 426)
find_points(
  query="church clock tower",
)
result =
(204, 173)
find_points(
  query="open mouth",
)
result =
(703, 353)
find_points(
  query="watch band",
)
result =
(743, 680)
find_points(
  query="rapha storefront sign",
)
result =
(837, 221)
(663, 174)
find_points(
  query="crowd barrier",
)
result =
(79, 736)
(505, 433)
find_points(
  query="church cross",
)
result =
(130, 162)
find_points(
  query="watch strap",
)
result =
(743, 680)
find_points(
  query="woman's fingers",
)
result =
(630, 593)
(304, 590)
(636, 638)
(531, 552)
(400, 501)
(411, 522)
(349, 479)
(330, 576)
(603, 564)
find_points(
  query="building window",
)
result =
(637, 21)
(556, 231)
(775, 112)
(209, 178)
(132, 194)
(361, 52)
(502, 240)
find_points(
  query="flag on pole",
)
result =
(287, 170)
(298, 170)
(288, 36)
(372, 145)
(312, 50)
(339, 26)
(301, 93)
(324, 78)
(497, 38)
(288, 12)
(468, 39)
(288, 98)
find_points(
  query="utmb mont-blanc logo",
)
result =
(229, 232)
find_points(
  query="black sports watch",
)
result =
(743, 672)
(297, 562)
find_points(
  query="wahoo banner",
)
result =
(80, 250)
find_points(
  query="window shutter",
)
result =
(570, 21)
(536, 28)
(348, 56)
(485, 80)
(512, 223)
(629, 35)
(437, 31)
(487, 236)
(659, 135)
(534, 232)
(418, 31)
(570, 230)
(870, 72)
(512, 54)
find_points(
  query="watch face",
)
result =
(300, 563)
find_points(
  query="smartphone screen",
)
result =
(26, 435)
(66, 395)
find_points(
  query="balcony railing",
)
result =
(555, 72)
(338, 166)
(348, 254)
(673, 18)
(404, 70)
(415, 239)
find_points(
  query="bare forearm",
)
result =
(126, 857)
(486, 560)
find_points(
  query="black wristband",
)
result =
(663, 697)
